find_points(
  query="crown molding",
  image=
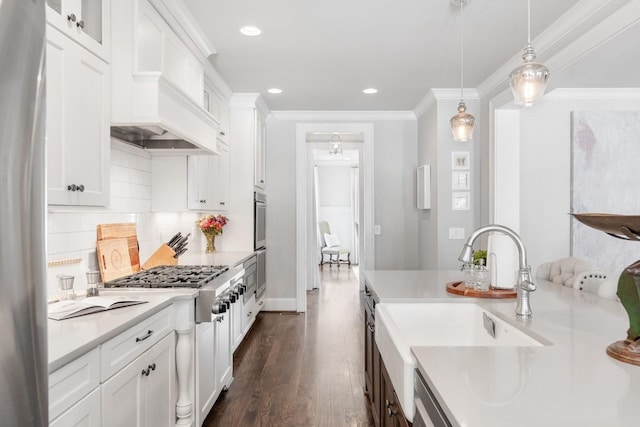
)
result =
(596, 94)
(343, 115)
(423, 105)
(435, 95)
(582, 28)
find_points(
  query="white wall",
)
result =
(395, 148)
(545, 191)
(437, 250)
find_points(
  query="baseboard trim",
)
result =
(280, 304)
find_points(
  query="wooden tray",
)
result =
(458, 288)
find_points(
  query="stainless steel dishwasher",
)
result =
(428, 411)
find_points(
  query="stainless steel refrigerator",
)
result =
(23, 320)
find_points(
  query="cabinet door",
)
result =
(205, 367)
(223, 117)
(223, 350)
(236, 327)
(85, 21)
(142, 393)
(77, 125)
(199, 182)
(220, 184)
(158, 387)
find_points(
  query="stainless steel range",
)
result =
(213, 282)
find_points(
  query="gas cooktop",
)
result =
(170, 276)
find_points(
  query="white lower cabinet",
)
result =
(214, 362)
(142, 393)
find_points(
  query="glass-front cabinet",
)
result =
(85, 21)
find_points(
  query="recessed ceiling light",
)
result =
(250, 30)
(274, 90)
(370, 91)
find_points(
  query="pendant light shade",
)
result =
(529, 80)
(463, 122)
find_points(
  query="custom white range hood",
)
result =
(157, 85)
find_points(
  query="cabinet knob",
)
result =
(74, 187)
(152, 366)
(222, 203)
(203, 201)
(146, 372)
(80, 24)
(71, 17)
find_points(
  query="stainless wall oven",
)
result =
(259, 220)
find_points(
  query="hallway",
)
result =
(302, 369)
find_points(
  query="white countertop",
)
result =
(71, 338)
(213, 258)
(571, 382)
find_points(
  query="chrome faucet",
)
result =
(525, 285)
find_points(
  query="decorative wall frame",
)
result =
(461, 201)
(460, 160)
(460, 180)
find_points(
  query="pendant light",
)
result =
(529, 80)
(335, 145)
(462, 123)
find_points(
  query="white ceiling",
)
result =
(323, 53)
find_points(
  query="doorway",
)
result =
(306, 222)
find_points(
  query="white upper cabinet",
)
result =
(85, 21)
(77, 124)
(219, 109)
(208, 181)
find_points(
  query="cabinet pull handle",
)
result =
(71, 17)
(249, 315)
(149, 333)
(81, 188)
(222, 133)
(80, 24)
(219, 319)
(372, 327)
(74, 187)
(222, 203)
(152, 366)
(145, 372)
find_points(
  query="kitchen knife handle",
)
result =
(149, 333)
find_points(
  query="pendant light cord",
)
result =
(461, 51)
(528, 22)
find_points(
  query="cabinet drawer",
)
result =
(85, 413)
(119, 351)
(70, 383)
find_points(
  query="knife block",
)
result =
(164, 255)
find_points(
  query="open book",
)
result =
(66, 309)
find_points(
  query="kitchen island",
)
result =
(570, 381)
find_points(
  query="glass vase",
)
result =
(211, 242)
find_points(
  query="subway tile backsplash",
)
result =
(71, 233)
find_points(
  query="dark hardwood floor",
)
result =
(302, 369)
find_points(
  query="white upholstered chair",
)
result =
(330, 246)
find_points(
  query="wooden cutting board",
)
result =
(126, 231)
(113, 258)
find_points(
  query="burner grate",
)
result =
(171, 276)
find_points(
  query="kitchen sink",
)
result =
(400, 326)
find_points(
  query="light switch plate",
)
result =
(456, 233)
(376, 230)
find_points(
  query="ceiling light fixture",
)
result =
(370, 91)
(335, 145)
(529, 80)
(274, 90)
(250, 30)
(462, 123)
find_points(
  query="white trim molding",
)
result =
(343, 115)
(594, 93)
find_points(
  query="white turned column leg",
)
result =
(184, 357)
